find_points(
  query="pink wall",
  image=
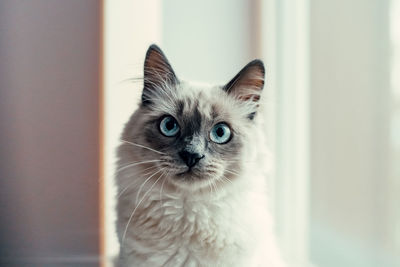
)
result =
(49, 144)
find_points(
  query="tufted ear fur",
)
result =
(158, 73)
(248, 83)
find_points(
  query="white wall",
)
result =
(207, 41)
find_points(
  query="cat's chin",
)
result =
(193, 179)
(189, 175)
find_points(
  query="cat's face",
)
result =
(195, 134)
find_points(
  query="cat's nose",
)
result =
(190, 158)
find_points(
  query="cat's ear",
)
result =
(248, 83)
(158, 73)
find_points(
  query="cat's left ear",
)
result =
(158, 73)
(247, 85)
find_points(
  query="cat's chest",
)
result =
(221, 232)
(199, 224)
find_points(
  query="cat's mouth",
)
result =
(198, 172)
(187, 171)
(183, 173)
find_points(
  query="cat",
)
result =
(190, 175)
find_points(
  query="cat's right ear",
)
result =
(247, 84)
(158, 73)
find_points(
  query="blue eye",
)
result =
(220, 133)
(169, 127)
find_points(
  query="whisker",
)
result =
(213, 185)
(129, 163)
(142, 146)
(152, 167)
(209, 185)
(120, 194)
(218, 190)
(134, 210)
(162, 186)
(130, 184)
(227, 179)
(231, 172)
(135, 164)
(240, 161)
(141, 186)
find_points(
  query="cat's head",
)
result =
(192, 134)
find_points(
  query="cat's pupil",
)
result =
(170, 125)
(220, 132)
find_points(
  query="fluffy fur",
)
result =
(215, 214)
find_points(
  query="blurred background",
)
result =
(332, 101)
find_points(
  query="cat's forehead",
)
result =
(195, 99)
(189, 102)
